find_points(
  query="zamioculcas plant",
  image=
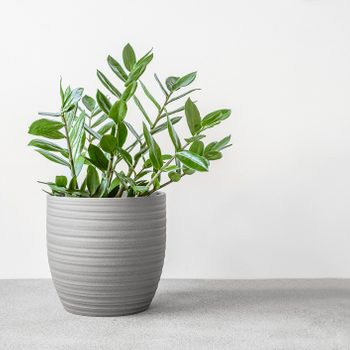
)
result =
(106, 222)
(109, 157)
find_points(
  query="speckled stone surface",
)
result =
(186, 314)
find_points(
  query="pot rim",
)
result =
(152, 196)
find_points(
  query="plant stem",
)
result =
(70, 154)
(163, 185)
(131, 169)
(164, 166)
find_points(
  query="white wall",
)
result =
(277, 205)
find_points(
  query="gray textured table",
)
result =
(186, 314)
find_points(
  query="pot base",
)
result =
(90, 313)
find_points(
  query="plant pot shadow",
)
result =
(226, 298)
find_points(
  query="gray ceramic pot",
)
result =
(106, 254)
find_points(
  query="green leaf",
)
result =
(135, 74)
(192, 116)
(213, 155)
(48, 146)
(72, 99)
(73, 183)
(173, 135)
(97, 157)
(78, 165)
(117, 68)
(118, 111)
(129, 91)
(188, 171)
(133, 131)
(61, 181)
(129, 57)
(89, 103)
(184, 81)
(164, 126)
(174, 176)
(140, 107)
(46, 128)
(209, 147)
(182, 95)
(108, 143)
(93, 133)
(153, 149)
(122, 134)
(126, 156)
(114, 184)
(161, 85)
(104, 128)
(92, 179)
(215, 118)
(193, 160)
(194, 138)
(146, 59)
(50, 114)
(197, 147)
(100, 120)
(149, 95)
(222, 143)
(102, 189)
(103, 102)
(53, 157)
(169, 82)
(107, 84)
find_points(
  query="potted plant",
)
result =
(106, 219)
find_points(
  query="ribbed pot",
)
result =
(106, 254)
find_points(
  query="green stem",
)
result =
(70, 153)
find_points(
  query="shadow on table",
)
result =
(229, 300)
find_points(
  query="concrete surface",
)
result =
(186, 314)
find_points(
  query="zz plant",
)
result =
(96, 135)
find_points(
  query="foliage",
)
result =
(117, 159)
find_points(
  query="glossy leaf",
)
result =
(153, 148)
(150, 96)
(135, 74)
(160, 84)
(164, 125)
(118, 111)
(129, 91)
(100, 120)
(222, 143)
(105, 128)
(48, 146)
(169, 82)
(46, 128)
(89, 103)
(197, 147)
(92, 179)
(117, 68)
(192, 116)
(143, 111)
(213, 155)
(115, 183)
(122, 134)
(108, 143)
(107, 84)
(61, 181)
(146, 59)
(215, 118)
(53, 157)
(129, 57)
(97, 157)
(193, 160)
(103, 102)
(184, 81)
(174, 176)
(126, 156)
(173, 135)
(182, 95)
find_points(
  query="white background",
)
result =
(277, 205)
